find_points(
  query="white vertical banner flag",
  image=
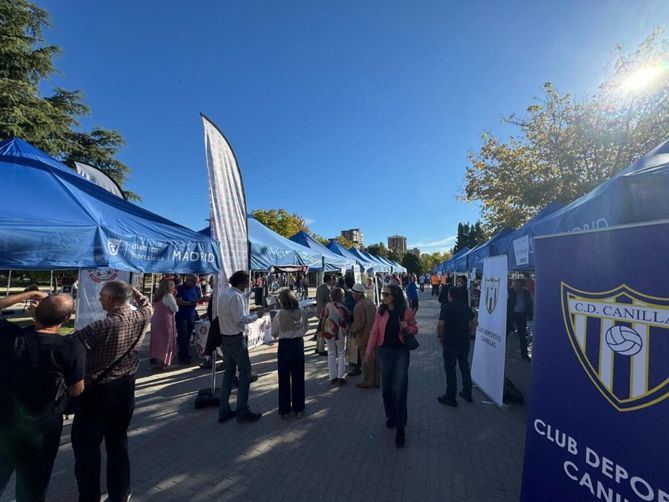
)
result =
(227, 204)
(91, 281)
(490, 347)
(96, 176)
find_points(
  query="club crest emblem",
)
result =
(491, 294)
(621, 339)
(103, 274)
(113, 245)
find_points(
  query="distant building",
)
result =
(398, 244)
(414, 251)
(355, 236)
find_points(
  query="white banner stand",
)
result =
(490, 348)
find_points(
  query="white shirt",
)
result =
(232, 316)
(169, 301)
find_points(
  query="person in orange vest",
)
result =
(435, 284)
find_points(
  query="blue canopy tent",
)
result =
(332, 261)
(53, 218)
(523, 239)
(269, 249)
(448, 266)
(367, 263)
(636, 194)
(400, 267)
(337, 248)
(383, 267)
(460, 263)
(489, 248)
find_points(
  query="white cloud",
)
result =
(309, 221)
(434, 245)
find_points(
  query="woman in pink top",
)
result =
(392, 322)
(163, 327)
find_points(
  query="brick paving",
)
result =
(339, 450)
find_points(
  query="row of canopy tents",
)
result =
(52, 218)
(635, 195)
(270, 250)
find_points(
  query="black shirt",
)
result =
(456, 316)
(59, 359)
(391, 339)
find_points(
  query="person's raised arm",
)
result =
(9, 300)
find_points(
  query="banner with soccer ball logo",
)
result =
(600, 378)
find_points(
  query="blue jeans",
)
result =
(235, 355)
(395, 383)
(185, 327)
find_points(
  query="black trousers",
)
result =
(290, 362)
(105, 413)
(185, 327)
(519, 322)
(457, 354)
(29, 447)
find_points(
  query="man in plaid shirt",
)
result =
(107, 405)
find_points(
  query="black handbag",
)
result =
(410, 341)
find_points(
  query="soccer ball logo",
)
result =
(623, 340)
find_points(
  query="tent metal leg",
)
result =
(9, 280)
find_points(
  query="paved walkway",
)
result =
(340, 449)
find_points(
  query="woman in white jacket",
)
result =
(288, 327)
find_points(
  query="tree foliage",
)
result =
(469, 236)
(348, 244)
(565, 147)
(281, 221)
(395, 256)
(431, 260)
(49, 122)
(412, 263)
(378, 249)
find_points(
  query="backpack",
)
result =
(332, 323)
(35, 393)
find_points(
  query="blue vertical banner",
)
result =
(598, 419)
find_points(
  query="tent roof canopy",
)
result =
(53, 218)
(333, 261)
(269, 249)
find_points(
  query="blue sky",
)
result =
(349, 113)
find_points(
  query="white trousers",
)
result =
(337, 357)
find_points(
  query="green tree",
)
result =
(469, 236)
(395, 256)
(430, 260)
(281, 221)
(378, 249)
(344, 242)
(319, 238)
(564, 147)
(412, 263)
(49, 122)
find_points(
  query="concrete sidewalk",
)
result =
(340, 449)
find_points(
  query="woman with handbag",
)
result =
(288, 327)
(335, 328)
(394, 333)
(163, 327)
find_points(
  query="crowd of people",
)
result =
(91, 372)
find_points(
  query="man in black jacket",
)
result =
(520, 310)
(453, 333)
